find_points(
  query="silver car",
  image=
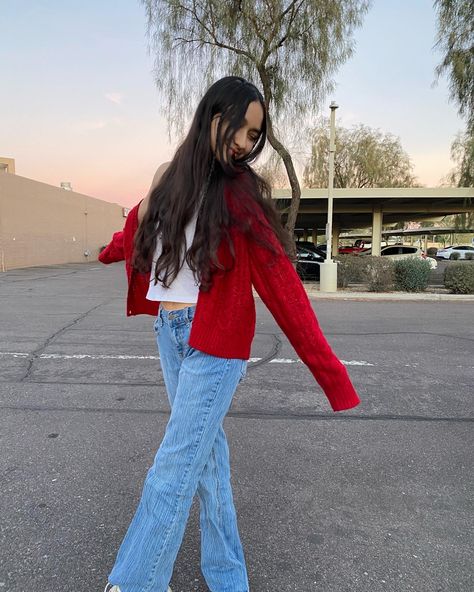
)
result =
(398, 252)
(448, 252)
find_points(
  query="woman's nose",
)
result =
(239, 141)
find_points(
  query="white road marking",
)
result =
(98, 357)
(356, 363)
(131, 357)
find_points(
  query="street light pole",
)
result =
(329, 267)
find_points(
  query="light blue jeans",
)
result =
(193, 456)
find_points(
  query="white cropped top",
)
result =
(184, 287)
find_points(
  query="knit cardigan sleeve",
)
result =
(114, 251)
(283, 293)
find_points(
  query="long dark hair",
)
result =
(195, 171)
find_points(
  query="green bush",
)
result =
(431, 251)
(469, 256)
(350, 268)
(459, 277)
(455, 256)
(379, 273)
(412, 275)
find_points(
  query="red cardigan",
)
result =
(224, 320)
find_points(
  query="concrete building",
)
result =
(45, 225)
(7, 165)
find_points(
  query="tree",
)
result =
(456, 40)
(273, 172)
(462, 152)
(289, 49)
(364, 157)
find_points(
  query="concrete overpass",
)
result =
(363, 208)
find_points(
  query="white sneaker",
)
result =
(117, 589)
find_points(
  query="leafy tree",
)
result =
(273, 172)
(290, 49)
(462, 152)
(364, 157)
(455, 38)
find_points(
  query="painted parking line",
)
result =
(137, 357)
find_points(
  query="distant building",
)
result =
(42, 224)
(7, 165)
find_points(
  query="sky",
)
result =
(78, 101)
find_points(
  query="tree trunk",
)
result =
(285, 156)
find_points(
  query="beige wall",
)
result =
(7, 165)
(45, 225)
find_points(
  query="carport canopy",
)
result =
(364, 208)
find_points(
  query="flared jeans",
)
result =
(193, 457)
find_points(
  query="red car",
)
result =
(358, 247)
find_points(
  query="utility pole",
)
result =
(328, 279)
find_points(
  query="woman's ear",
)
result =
(213, 131)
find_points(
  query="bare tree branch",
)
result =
(291, 52)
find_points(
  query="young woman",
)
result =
(206, 233)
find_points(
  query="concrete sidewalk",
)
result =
(314, 292)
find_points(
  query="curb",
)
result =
(383, 296)
(388, 296)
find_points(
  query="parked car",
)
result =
(397, 252)
(358, 247)
(318, 249)
(308, 262)
(448, 252)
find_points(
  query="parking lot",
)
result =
(377, 498)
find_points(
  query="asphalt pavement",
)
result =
(377, 498)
